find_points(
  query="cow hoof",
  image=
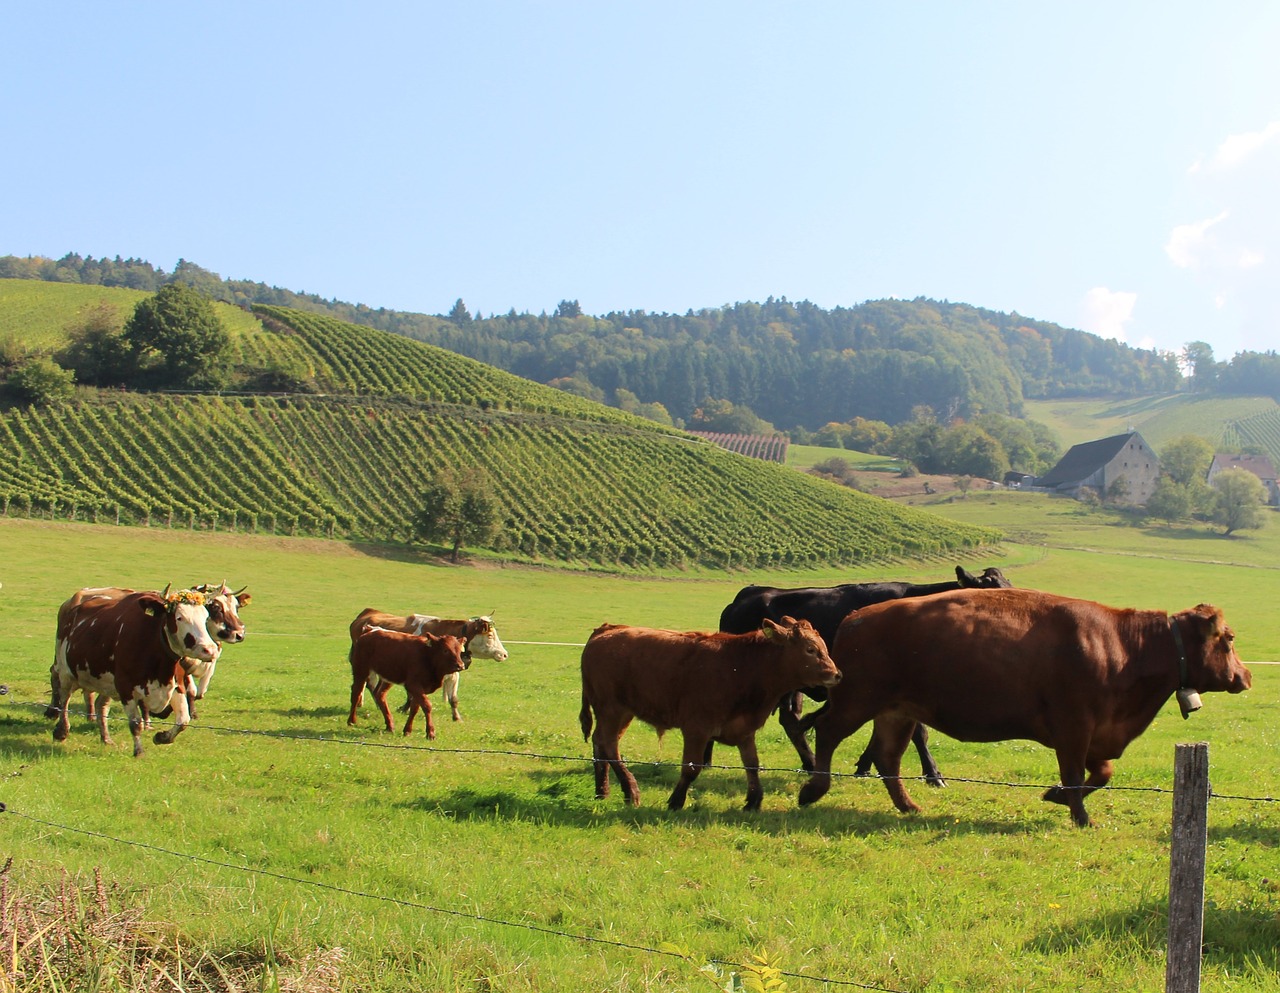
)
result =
(52, 711)
(937, 782)
(457, 717)
(59, 734)
(812, 791)
(163, 738)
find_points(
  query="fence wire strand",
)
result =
(430, 908)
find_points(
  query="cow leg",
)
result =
(690, 766)
(795, 728)
(103, 705)
(88, 704)
(893, 734)
(135, 712)
(380, 699)
(62, 694)
(830, 728)
(605, 745)
(1075, 787)
(450, 688)
(358, 682)
(751, 764)
(181, 717)
(418, 700)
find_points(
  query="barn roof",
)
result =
(1259, 465)
(1083, 460)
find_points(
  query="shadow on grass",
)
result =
(567, 798)
(1235, 939)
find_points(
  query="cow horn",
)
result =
(165, 594)
(241, 590)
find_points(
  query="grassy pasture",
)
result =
(1161, 419)
(987, 889)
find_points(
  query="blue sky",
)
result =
(1108, 166)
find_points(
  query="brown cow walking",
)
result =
(712, 686)
(418, 662)
(1076, 676)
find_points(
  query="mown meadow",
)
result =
(273, 843)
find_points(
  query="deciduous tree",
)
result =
(458, 508)
(177, 339)
(1238, 500)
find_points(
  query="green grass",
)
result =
(807, 456)
(988, 888)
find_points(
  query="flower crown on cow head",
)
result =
(183, 596)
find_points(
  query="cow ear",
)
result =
(965, 578)
(770, 629)
(242, 599)
(152, 604)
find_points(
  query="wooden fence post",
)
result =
(1186, 867)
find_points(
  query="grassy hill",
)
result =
(1229, 422)
(576, 481)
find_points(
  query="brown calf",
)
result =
(479, 636)
(1076, 676)
(418, 662)
(712, 686)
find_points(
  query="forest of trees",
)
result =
(794, 365)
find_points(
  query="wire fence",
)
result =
(579, 759)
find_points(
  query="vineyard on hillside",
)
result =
(349, 358)
(352, 468)
(767, 447)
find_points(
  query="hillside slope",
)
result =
(576, 481)
(1229, 423)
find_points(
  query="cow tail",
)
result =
(584, 716)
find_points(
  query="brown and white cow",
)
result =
(479, 636)
(711, 685)
(137, 648)
(418, 662)
(1076, 676)
(224, 626)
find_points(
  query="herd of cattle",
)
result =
(975, 658)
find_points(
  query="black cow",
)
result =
(825, 607)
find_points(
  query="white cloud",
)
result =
(1188, 243)
(1106, 312)
(1238, 147)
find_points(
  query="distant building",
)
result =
(1099, 465)
(1259, 465)
(1017, 480)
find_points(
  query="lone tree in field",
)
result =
(458, 508)
(177, 340)
(1238, 500)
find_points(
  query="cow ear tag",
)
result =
(1188, 702)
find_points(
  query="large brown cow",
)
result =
(1076, 676)
(418, 662)
(711, 685)
(137, 648)
(478, 634)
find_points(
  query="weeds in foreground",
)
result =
(85, 939)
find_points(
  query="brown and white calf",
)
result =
(478, 634)
(418, 662)
(711, 685)
(137, 648)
